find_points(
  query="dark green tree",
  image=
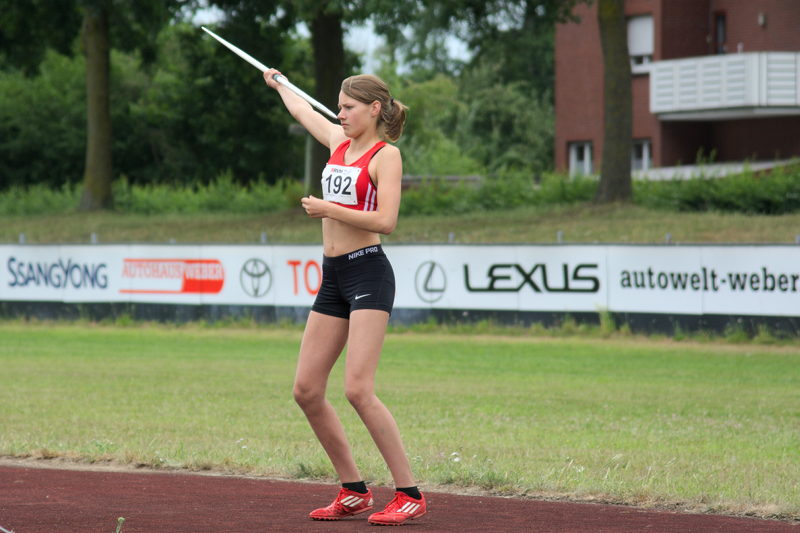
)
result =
(218, 114)
(29, 28)
(98, 173)
(615, 173)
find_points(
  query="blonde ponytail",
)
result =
(367, 88)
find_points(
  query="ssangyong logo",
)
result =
(173, 276)
(255, 278)
(59, 274)
(430, 281)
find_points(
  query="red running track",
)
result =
(49, 500)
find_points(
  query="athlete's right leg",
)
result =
(323, 341)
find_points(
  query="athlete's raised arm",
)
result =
(317, 125)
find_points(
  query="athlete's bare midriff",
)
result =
(339, 238)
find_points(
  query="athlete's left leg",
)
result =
(365, 341)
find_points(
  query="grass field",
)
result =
(579, 223)
(707, 426)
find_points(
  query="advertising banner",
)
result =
(724, 280)
(669, 279)
(520, 278)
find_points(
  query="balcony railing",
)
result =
(726, 86)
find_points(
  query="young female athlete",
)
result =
(361, 199)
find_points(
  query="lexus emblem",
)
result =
(430, 282)
(255, 278)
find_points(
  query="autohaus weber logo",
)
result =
(172, 276)
(255, 278)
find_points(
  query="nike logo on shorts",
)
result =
(359, 296)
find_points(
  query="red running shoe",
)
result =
(347, 503)
(403, 507)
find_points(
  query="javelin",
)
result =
(280, 78)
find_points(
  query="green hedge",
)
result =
(502, 192)
(39, 199)
(775, 193)
(221, 195)
(772, 194)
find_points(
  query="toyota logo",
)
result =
(255, 278)
(430, 282)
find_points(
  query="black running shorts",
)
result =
(362, 279)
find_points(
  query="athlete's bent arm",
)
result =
(388, 175)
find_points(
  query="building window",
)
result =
(640, 43)
(720, 33)
(580, 158)
(641, 154)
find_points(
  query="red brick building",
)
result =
(717, 76)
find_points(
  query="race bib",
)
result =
(339, 184)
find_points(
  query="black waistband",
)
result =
(347, 258)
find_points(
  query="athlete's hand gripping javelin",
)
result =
(302, 111)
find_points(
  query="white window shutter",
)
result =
(640, 36)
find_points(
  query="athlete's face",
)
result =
(357, 117)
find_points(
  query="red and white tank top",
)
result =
(350, 185)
